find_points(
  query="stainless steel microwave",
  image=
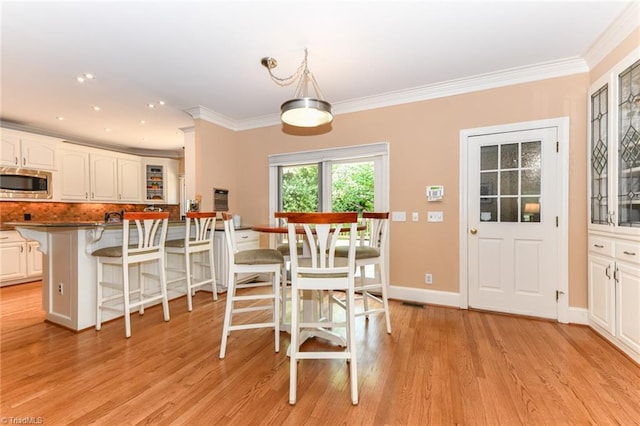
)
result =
(25, 183)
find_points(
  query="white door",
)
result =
(512, 222)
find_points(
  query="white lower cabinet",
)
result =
(628, 306)
(20, 260)
(614, 291)
(246, 239)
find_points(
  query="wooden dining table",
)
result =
(310, 303)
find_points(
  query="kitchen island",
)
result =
(69, 269)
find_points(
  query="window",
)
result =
(338, 179)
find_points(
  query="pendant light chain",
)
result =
(303, 110)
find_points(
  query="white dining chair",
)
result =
(324, 271)
(253, 261)
(194, 248)
(147, 246)
(371, 251)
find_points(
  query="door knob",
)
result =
(473, 231)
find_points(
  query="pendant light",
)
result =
(303, 110)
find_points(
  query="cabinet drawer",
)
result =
(10, 237)
(600, 245)
(628, 252)
(247, 239)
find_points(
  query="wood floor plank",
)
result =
(440, 366)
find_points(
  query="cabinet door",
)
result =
(129, 177)
(74, 175)
(602, 293)
(103, 178)
(10, 151)
(34, 259)
(628, 318)
(628, 147)
(12, 260)
(38, 154)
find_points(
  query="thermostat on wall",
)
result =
(435, 192)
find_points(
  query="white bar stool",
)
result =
(147, 246)
(198, 239)
(250, 261)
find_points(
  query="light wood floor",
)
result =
(440, 366)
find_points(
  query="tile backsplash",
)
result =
(14, 211)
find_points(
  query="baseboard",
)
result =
(578, 316)
(452, 299)
(434, 297)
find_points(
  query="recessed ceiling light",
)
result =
(161, 103)
(95, 108)
(84, 77)
(143, 122)
(150, 105)
(107, 129)
(59, 118)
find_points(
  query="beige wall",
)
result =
(424, 150)
(216, 163)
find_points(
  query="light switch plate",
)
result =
(435, 216)
(415, 216)
(399, 216)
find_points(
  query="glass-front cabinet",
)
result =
(629, 146)
(160, 181)
(155, 183)
(614, 136)
(614, 206)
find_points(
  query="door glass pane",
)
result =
(509, 183)
(509, 156)
(531, 182)
(531, 155)
(489, 157)
(352, 187)
(299, 190)
(509, 209)
(629, 152)
(488, 209)
(530, 209)
(599, 156)
(489, 183)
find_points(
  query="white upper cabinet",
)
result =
(115, 178)
(21, 149)
(72, 183)
(88, 174)
(129, 178)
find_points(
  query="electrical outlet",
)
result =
(435, 216)
(428, 278)
(415, 216)
(60, 289)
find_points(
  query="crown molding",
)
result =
(202, 113)
(619, 29)
(493, 80)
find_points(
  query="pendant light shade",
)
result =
(303, 110)
(306, 112)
